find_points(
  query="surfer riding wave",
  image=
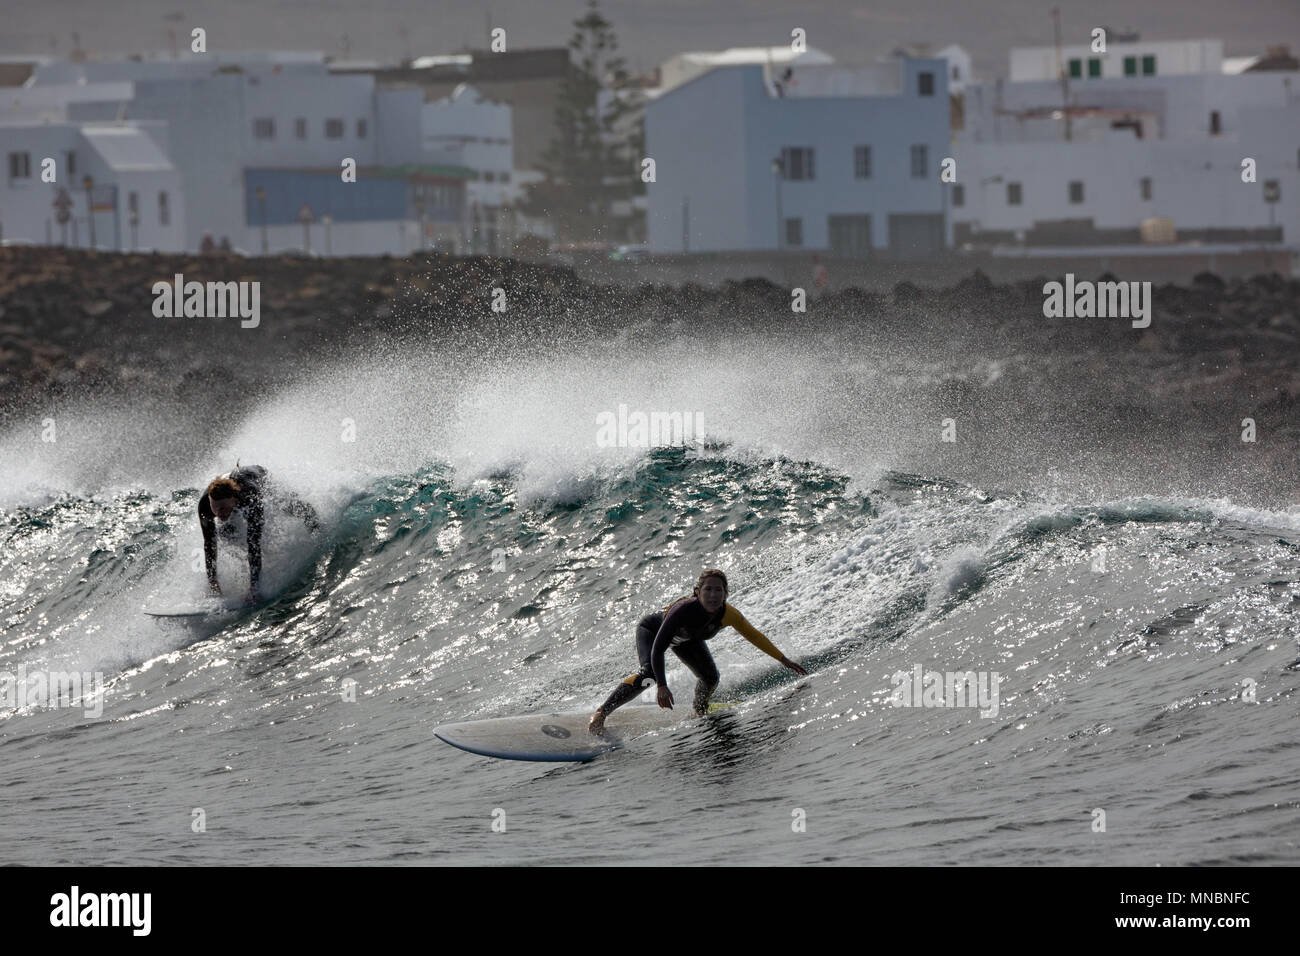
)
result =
(244, 490)
(685, 626)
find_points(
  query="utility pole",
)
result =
(1061, 71)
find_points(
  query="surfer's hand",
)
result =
(665, 697)
(793, 666)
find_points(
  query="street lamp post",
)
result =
(327, 220)
(778, 174)
(88, 183)
(261, 203)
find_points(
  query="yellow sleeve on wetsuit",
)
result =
(733, 618)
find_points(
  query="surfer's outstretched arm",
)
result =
(209, 528)
(733, 618)
(300, 509)
(254, 516)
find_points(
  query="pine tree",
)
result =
(589, 163)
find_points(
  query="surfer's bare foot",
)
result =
(700, 713)
(597, 723)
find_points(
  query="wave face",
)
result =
(484, 554)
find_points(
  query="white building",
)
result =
(135, 200)
(259, 143)
(796, 157)
(468, 129)
(1123, 58)
(1036, 169)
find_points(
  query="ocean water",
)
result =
(1134, 604)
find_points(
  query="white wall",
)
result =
(1173, 57)
(27, 205)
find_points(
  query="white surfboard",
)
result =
(559, 737)
(209, 609)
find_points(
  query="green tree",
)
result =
(591, 161)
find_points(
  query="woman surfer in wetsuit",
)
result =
(243, 490)
(684, 626)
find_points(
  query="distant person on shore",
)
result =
(684, 626)
(821, 278)
(244, 490)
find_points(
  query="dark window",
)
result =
(300, 127)
(925, 84)
(1076, 69)
(1076, 192)
(164, 214)
(1130, 66)
(1013, 194)
(489, 176)
(71, 162)
(505, 177)
(1148, 66)
(1094, 66)
(920, 162)
(20, 165)
(1216, 126)
(264, 128)
(797, 162)
(133, 202)
(958, 194)
(861, 162)
(333, 129)
(794, 232)
(361, 129)
(1145, 183)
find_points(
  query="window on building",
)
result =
(133, 203)
(1076, 69)
(361, 129)
(1216, 124)
(1145, 183)
(920, 162)
(794, 232)
(70, 162)
(333, 129)
(1130, 66)
(20, 165)
(797, 162)
(1013, 194)
(955, 75)
(861, 162)
(1094, 66)
(925, 84)
(958, 194)
(489, 176)
(1149, 66)
(300, 127)
(505, 177)
(164, 213)
(264, 128)
(1076, 192)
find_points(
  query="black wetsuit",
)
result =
(252, 483)
(683, 626)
